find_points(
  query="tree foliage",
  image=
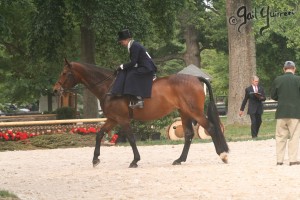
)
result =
(216, 64)
(280, 41)
(35, 36)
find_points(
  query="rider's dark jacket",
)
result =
(136, 77)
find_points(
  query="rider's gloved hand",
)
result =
(120, 68)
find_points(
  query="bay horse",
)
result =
(178, 91)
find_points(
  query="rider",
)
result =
(135, 77)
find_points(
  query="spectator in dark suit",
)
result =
(255, 95)
(135, 77)
(286, 90)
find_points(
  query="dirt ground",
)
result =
(65, 174)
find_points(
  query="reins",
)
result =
(100, 82)
(90, 87)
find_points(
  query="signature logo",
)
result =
(243, 16)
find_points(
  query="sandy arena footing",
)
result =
(65, 174)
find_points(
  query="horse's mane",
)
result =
(97, 68)
(95, 71)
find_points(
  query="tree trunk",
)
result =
(192, 54)
(242, 59)
(90, 106)
(49, 98)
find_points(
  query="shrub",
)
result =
(145, 130)
(65, 113)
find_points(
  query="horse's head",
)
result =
(66, 80)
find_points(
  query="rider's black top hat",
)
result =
(124, 34)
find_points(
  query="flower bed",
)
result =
(15, 134)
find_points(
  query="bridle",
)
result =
(70, 73)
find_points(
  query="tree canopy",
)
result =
(37, 34)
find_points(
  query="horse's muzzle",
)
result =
(57, 89)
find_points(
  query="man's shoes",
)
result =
(138, 104)
(295, 163)
(279, 163)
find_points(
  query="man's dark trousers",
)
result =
(255, 124)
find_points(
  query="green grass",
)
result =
(6, 195)
(243, 132)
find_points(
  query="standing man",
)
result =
(255, 95)
(134, 78)
(286, 90)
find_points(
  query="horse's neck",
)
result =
(96, 81)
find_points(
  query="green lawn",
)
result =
(6, 195)
(240, 133)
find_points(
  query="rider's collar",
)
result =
(129, 44)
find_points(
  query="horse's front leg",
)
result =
(188, 136)
(136, 155)
(99, 135)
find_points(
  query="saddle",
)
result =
(134, 101)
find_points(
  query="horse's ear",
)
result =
(67, 63)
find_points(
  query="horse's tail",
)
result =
(213, 117)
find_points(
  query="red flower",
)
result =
(81, 130)
(18, 137)
(114, 138)
(74, 130)
(92, 130)
(23, 136)
(5, 136)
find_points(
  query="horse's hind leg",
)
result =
(212, 131)
(188, 136)
(136, 155)
(217, 136)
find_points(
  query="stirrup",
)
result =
(139, 104)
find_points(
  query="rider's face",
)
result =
(124, 42)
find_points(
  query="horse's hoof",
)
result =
(176, 162)
(96, 162)
(133, 165)
(224, 157)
